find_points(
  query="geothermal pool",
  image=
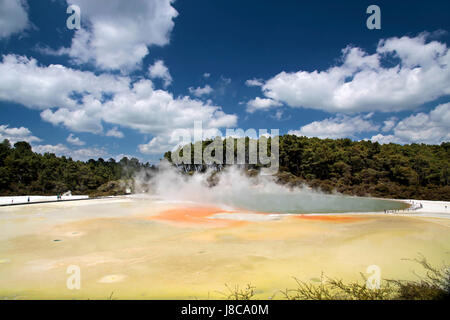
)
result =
(235, 190)
(147, 248)
(308, 202)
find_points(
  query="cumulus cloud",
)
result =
(116, 34)
(75, 140)
(390, 138)
(261, 104)
(199, 91)
(159, 144)
(341, 126)
(13, 17)
(206, 75)
(171, 139)
(157, 112)
(82, 154)
(254, 83)
(24, 81)
(363, 82)
(159, 70)
(58, 149)
(389, 124)
(430, 128)
(86, 118)
(81, 101)
(278, 115)
(114, 132)
(17, 134)
(154, 111)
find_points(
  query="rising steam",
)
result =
(232, 188)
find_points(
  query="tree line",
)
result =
(24, 172)
(362, 168)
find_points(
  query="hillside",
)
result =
(23, 171)
(362, 168)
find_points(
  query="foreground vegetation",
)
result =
(362, 168)
(435, 285)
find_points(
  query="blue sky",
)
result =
(137, 71)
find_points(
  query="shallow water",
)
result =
(308, 202)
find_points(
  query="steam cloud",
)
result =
(233, 189)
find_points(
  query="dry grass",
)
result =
(435, 285)
(336, 289)
(236, 293)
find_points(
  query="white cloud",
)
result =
(114, 132)
(278, 115)
(17, 134)
(116, 34)
(198, 92)
(154, 111)
(158, 145)
(362, 83)
(88, 153)
(430, 128)
(76, 100)
(40, 87)
(58, 149)
(254, 83)
(13, 17)
(380, 138)
(75, 140)
(159, 70)
(261, 104)
(389, 124)
(341, 126)
(86, 118)
(206, 75)
(76, 154)
(169, 140)
(122, 155)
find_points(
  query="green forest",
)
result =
(360, 168)
(24, 172)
